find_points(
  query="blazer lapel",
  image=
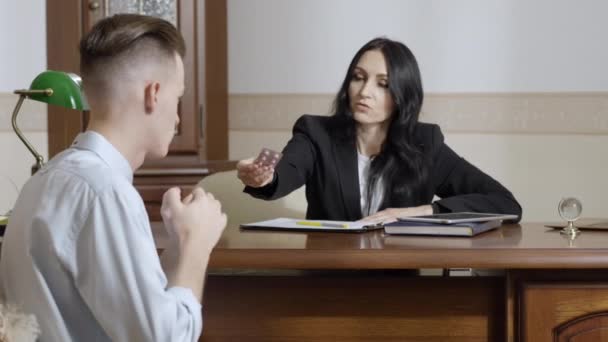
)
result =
(345, 153)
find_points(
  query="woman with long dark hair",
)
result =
(372, 159)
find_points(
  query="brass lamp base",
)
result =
(570, 230)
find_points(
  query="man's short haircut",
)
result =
(116, 41)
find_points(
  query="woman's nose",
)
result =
(366, 89)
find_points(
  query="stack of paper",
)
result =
(453, 224)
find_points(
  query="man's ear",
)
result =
(151, 96)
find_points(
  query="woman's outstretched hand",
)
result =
(253, 174)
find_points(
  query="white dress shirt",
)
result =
(78, 253)
(367, 209)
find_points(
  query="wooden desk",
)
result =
(270, 286)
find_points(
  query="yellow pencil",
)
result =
(322, 224)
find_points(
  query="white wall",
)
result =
(541, 169)
(16, 163)
(22, 42)
(304, 47)
(23, 46)
(294, 46)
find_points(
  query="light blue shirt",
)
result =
(78, 253)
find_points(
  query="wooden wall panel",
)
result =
(353, 306)
(546, 306)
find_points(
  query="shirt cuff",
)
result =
(439, 209)
(265, 192)
(186, 296)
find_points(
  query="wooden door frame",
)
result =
(65, 26)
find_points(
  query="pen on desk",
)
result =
(322, 224)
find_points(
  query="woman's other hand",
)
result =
(392, 214)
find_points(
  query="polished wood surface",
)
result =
(544, 282)
(509, 247)
(64, 29)
(352, 306)
(565, 311)
(590, 328)
(215, 56)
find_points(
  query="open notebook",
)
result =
(312, 225)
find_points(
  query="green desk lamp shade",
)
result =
(52, 87)
(66, 90)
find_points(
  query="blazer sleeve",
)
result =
(296, 165)
(463, 187)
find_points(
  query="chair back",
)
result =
(243, 208)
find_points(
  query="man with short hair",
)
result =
(78, 252)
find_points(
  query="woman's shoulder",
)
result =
(322, 129)
(314, 120)
(427, 128)
(316, 124)
(428, 134)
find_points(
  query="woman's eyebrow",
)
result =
(360, 69)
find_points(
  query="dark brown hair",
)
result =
(123, 34)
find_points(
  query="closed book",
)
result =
(424, 228)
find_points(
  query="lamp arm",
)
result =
(39, 158)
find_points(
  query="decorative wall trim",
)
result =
(271, 112)
(32, 116)
(525, 113)
(519, 113)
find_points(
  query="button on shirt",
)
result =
(79, 254)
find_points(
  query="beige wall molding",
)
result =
(518, 113)
(528, 113)
(32, 116)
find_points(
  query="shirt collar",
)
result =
(98, 144)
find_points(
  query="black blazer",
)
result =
(326, 162)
